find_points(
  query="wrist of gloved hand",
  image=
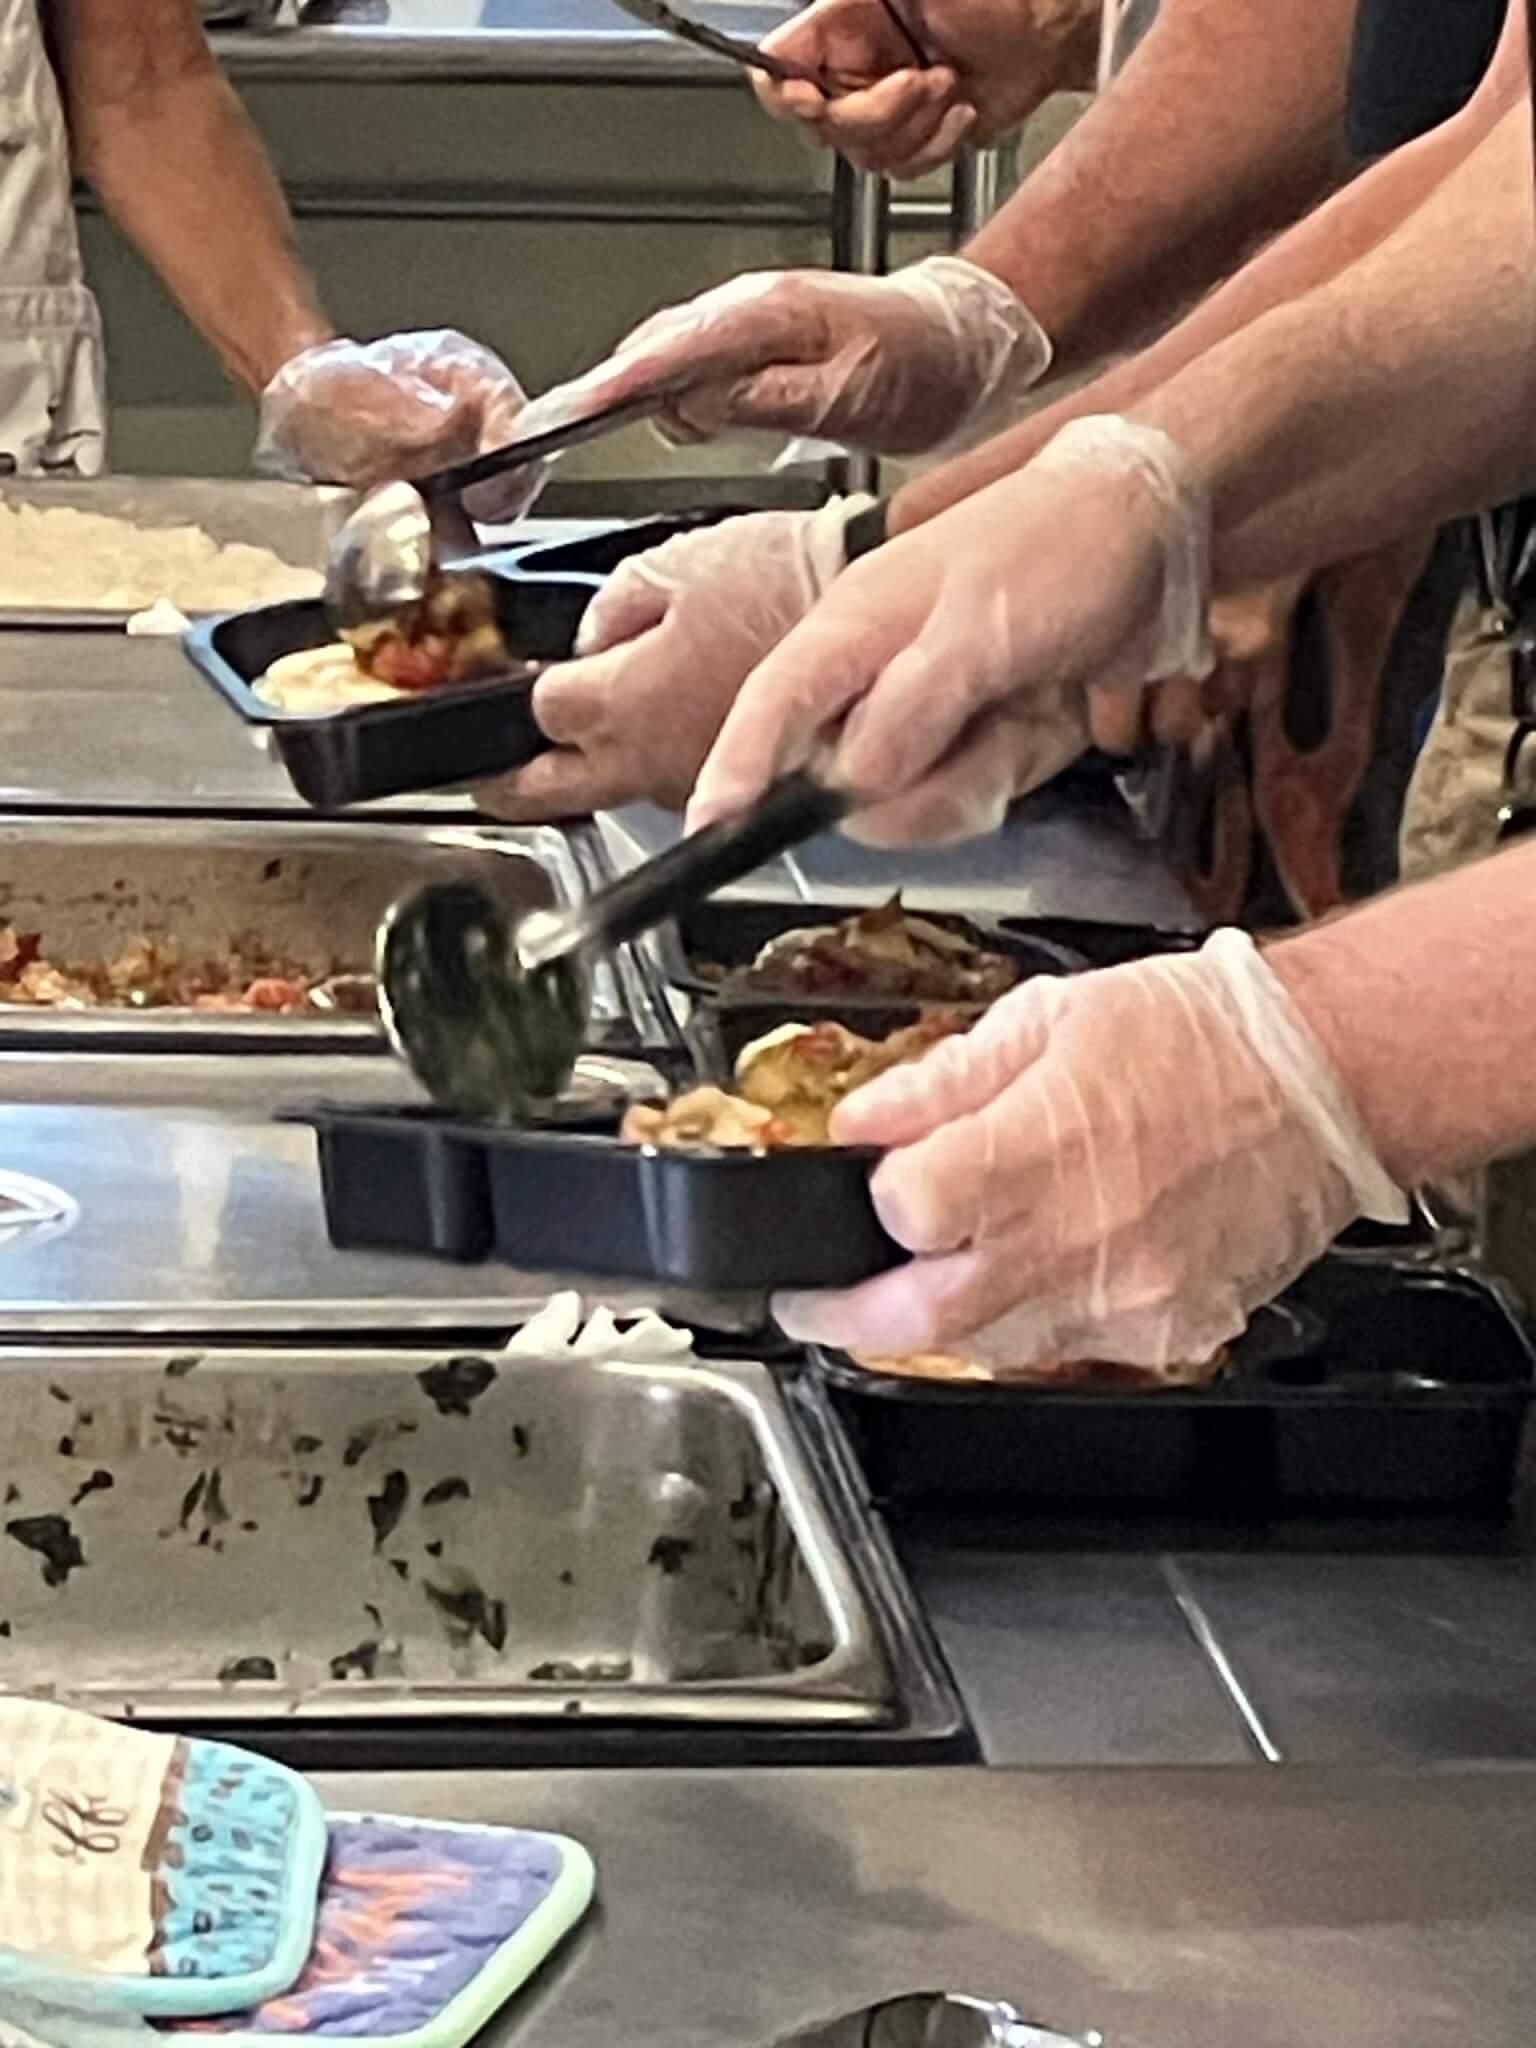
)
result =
(1154, 463)
(773, 563)
(1118, 1166)
(1004, 350)
(363, 413)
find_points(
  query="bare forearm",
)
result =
(163, 138)
(1399, 394)
(1315, 251)
(1224, 126)
(1424, 1001)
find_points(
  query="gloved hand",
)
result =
(941, 353)
(1116, 1167)
(988, 67)
(363, 413)
(662, 650)
(950, 664)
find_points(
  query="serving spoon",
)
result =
(490, 1016)
(400, 536)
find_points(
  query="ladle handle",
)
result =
(478, 469)
(788, 813)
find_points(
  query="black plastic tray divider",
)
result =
(1410, 1398)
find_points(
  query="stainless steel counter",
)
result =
(1364, 1646)
(1169, 1909)
(196, 1218)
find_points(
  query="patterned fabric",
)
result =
(163, 1875)
(423, 1931)
(1291, 804)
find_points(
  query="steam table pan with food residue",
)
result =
(358, 1537)
(586, 1202)
(1371, 1388)
(421, 740)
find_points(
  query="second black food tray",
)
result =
(1371, 1388)
(729, 934)
(421, 740)
(417, 1180)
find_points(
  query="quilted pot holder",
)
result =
(149, 1874)
(425, 1930)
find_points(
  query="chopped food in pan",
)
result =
(150, 974)
(1087, 1374)
(887, 952)
(787, 1085)
(453, 637)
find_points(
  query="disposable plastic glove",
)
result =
(351, 412)
(949, 665)
(662, 650)
(990, 66)
(937, 355)
(1120, 1166)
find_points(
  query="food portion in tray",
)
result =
(887, 952)
(1080, 1375)
(90, 562)
(453, 637)
(150, 974)
(787, 1084)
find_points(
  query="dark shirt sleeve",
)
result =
(1414, 64)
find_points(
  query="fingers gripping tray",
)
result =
(418, 740)
(148, 1874)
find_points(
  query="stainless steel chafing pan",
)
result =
(312, 892)
(378, 1534)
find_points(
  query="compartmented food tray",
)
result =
(422, 740)
(92, 890)
(600, 553)
(730, 934)
(585, 1203)
(1399, 1389)
(501, 1537)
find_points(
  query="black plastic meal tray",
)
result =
(417, 1180)
(1409, 1396)
(732, 933)
(426, 740)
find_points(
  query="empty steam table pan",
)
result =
(421, 740)
(587, 1203)
(1370, 1388)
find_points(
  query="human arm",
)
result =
(1313, 253)
(1397, 395)
(158, 131)
(1400, 393)
(989, 64)
(1125, 1166)
(1223, 126)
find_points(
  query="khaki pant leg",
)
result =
(1451, 817)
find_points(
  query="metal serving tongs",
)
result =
(735, 49)
(402, 535)
(490, 1016)
(934, 2019)
(683, 28)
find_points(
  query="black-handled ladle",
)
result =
(490, 1016)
